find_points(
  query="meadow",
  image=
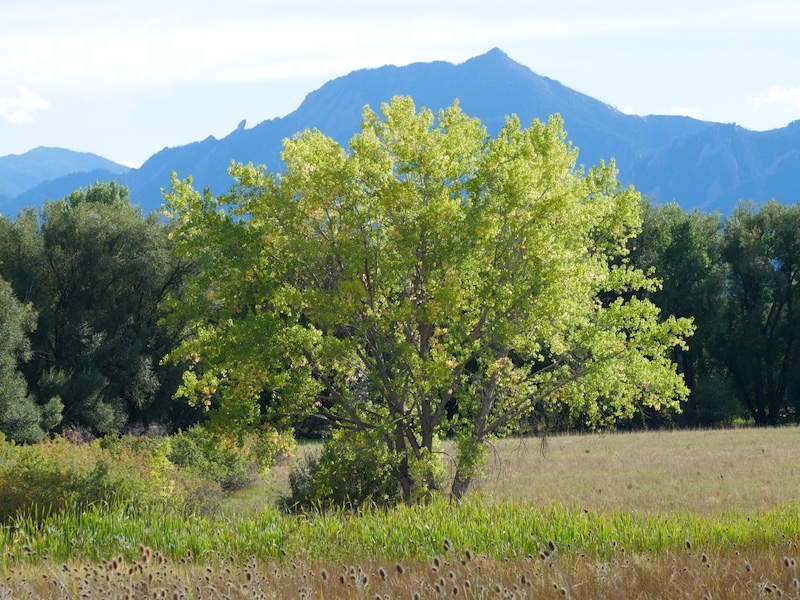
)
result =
(683, 514)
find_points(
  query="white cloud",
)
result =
(22, 107)
(777, 95)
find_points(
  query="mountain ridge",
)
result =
(697, 163)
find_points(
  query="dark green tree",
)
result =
(97, 272)
(685, 251)
(21, 418)
(762, 252)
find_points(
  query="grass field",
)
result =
(691, 514)
(707, 472)
(698, 471)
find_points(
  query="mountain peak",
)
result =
(493, 56)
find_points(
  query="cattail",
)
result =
(399, 568)
(552, 545)
(324, 575)
(382, 573)
(436, 561)
(468, 554)
(688, 545)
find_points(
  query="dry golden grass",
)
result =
(692, 574)
(708, 472)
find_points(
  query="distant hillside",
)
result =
(714, 168)
(24, 178)
(699, 164)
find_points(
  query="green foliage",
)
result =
(352, 471)
(427, 281)
(21, 417)
(762, 313)
(232, 463)
(56, 476)
(685, 251)
(96, 272)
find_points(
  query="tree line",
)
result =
(736, 276)
(426, 282)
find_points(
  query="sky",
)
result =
(126, 78)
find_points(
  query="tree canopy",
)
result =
(21, 418)
(96, 272)
(428, 281)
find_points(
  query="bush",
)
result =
(233, 461)
(56, 475)
(352, 470)
(202, 452)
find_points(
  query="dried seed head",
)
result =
(688, 545)
(399, 568)
(552, 545)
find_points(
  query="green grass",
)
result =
(499, 530)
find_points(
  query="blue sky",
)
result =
(125, 78)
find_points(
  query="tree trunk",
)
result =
(403, 476)
(460, 485)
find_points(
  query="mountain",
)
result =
(714, 168)
(697, 163)
(28, 179)
(488, 87)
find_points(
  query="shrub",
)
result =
(351, 471)
(56, 475)
(233, 461)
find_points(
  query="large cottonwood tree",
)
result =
(426, 281)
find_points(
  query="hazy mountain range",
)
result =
(699, 164)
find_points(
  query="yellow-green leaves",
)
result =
(428, 280)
